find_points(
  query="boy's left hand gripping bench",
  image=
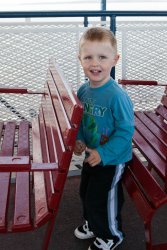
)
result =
(51, 135)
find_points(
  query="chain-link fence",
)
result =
(143, 49)
(26, 47)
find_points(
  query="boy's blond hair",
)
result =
(98, 34)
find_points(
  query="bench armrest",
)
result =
(18, 90)
(138, 82)
(23, 163)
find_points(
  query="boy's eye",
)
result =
(102, 57)
(87, 58)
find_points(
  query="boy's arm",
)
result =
(112, 150)
(120, 141)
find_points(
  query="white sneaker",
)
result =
(100, 244)
(83, 232)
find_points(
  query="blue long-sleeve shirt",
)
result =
(108, 122)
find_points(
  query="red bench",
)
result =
(146, 181)
(39, 152)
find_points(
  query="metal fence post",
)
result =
(113, 29)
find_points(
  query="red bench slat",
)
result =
(142, 205)
(6, 150)
(148, 184)
(41, 207)
(8, 140)
(22, 219)
(157, 131)
(57, 102)
(54, 180)
(154, 142)
(157, 162)
(45, 155)
(4, 193)
(55, 139)
(40, 143)
(161, 110)
(71, 104)
(43, 138)
(158, 120)
(67, 129)
(63, 91)
(49, 130)
(55, 142)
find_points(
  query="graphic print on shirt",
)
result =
(91, 111)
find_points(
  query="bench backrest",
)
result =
(146, 95)
(50, 138)
(145, 179)
(59, 118)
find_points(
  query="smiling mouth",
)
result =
(95, 71)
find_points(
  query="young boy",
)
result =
(106, 136)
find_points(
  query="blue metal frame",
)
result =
(111, 14)
(85, 14)
(22, 14)
(103, 8)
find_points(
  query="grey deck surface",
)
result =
(70, 216)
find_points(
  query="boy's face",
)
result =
(97, 59)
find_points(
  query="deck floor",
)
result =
(70, 215)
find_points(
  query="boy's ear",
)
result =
(116, 58)
(79, 57)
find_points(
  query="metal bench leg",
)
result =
(148, 235)
(48, 232)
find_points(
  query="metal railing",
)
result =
(28, 39)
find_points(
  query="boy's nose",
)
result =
(95, 62)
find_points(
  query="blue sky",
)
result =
(21, 5)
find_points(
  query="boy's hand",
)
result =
(79, 147)
(93, 158)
